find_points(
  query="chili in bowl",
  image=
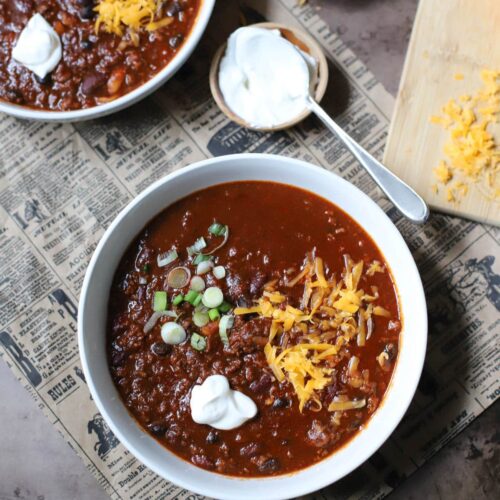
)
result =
(252, 330)
(79, 59)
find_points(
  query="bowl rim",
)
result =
(130, 98)
(417, 354)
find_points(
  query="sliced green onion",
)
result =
(177, 299)
(197, 284)
(151, 322)
(224, 241)
(159, 301)
(197, 301)
(198, 342)
(204, 267)
(225, 307)
(197, 246)
(219, 272)
(217, 229)
(166, 258)
(200, 318)
(178, 277)
(212, 297)
(146, 268)
(213, 314)
(173, 333)
(143, 280)
(191, 296)
(225, 323)
(201, 258)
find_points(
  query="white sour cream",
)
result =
(38, 47)
(264, 78)
(215, 404)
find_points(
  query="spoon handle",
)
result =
(404, 198)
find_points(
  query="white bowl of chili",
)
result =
(93, 313)
(43, 110)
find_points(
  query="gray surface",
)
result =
(36, 463)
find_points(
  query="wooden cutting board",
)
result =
(450, 37)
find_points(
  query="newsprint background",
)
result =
(61, 186)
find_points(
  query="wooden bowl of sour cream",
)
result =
(302, 41)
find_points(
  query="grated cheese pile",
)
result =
(331, 315)
(472, 153)
(115, 15)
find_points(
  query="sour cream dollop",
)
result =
(264, 78)
(38, 47)
(215, 404)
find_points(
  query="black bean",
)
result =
(92, 82)
(117, 358)
(262, 384)
(86, 44)
(212, 437)
(173, 9)
(280, 403)
(271, 465)
(157, 428)
(87, 12)
(175, 41)
(161, 349)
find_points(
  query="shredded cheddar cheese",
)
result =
(471, 152)
(115, 15)
(331, 315)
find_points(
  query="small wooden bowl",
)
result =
(300, 39)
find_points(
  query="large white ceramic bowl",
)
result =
(93, 310)
(130, 98)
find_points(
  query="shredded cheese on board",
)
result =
(331, 315)
(472, 154)
(116, 15)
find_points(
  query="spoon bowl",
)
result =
(302, 41)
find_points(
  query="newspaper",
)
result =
(61, 186)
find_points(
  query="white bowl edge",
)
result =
(93, 305)
(128, 99)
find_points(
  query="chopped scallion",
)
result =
(212, 297)
(146, 268)
(225, 307)
(217, 229)
(197, 301)
(201, 258)
(166, 258)
(200, 318)
(197, 246)
(225, 323)
(198, 342)
(197, 284)
(177, 299)
(213, 314)
(219, 272)
(204, 267)
(191, 296)
(160, 301)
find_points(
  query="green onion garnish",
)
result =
(198, 342)
(225, 307)
(201, 258)
(146, 268)
(212, 297)
(217, 229)
(213, 314)
(197, 301)
(177, 299)
(166, 258)
(200, 318)
(191, 296)
(160, 301)
(225, 324)
(197, 246)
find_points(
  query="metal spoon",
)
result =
(403, 197)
